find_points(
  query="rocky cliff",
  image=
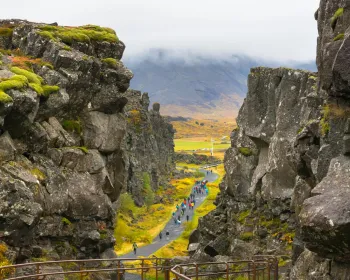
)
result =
(73, 137)
(286, 189)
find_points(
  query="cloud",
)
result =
(270, 29)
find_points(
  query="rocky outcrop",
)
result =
(254, 205)
(73, 138)
(286, 189)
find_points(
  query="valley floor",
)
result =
(174, 230)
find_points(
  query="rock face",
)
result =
(73, 138)
(286, 189)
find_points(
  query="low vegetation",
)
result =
(111, 62)
(339, 37)
(178, 247)
(246, 151)
(336, 16)
(85, 34)
(6, 32)
(72, 126)
(143, 224)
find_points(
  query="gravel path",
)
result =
(174, 230)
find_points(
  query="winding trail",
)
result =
(174, 230)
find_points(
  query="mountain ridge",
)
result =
(197, 85)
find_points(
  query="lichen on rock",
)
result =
(67, 149)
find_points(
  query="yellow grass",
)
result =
(142, 225)
(210, 129)
(178, 247)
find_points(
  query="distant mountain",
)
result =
(196, 86)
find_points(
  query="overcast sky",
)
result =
(270, 29)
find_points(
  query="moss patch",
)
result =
(245, 151)
(66, 222)
(246, 236)
(111, 62)
(335, 17)
(50, 89)
(32, 77)
(6, 32)
(5, 98)
(72, 126)
(339, 37)
(83, 34)
(325, 120)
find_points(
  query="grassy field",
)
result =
(178, 247)
(204, 129)
(191, 145)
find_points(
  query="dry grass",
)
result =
(209, 128)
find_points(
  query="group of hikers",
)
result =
(199, 188)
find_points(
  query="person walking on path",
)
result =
(160, 235)
(167, 235)
(187, 218)
(177, 207)
(206, 191)
(179, 217)
(134, 246)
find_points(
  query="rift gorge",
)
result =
(92, 185)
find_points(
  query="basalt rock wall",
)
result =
(73, 138)
(286, 189)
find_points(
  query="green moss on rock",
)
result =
(6, 32)
(50, 89)
(84, 34)
(339, 37)
(110, 61)
(246, 236)
(72, 126)
(5, 98)
(32, 77)
(335, 17)
(37, 88)
(245, 151)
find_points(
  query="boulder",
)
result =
(324, 219)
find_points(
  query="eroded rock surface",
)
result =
(73, 138)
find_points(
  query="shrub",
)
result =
(245, 151)
(6, 32)
(149, 194)
(135, 117)
(325, 120)
(198, 174)
(339, 37)
(126, 203)
(111, 62)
